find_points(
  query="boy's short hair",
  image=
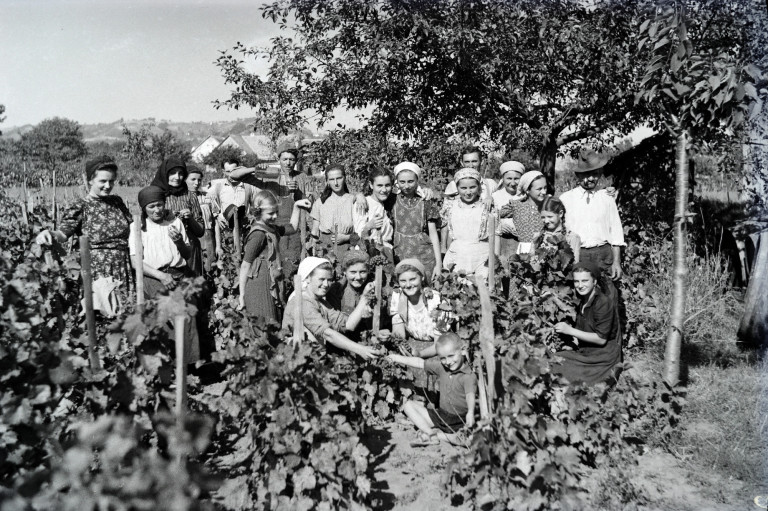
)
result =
(448, 339)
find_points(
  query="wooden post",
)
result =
(298, 319)
(53, 199)
(236, 239)
(90, 315)
(491, 252)
(303, 233)
(138, 262)
(181, 369)
(485, 410)
(24, 212)
(487, 338)
(377, 307)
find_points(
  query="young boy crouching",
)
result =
(457, 385)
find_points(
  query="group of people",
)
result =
(414, 231)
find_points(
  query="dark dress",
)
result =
(107, 223)
(590, 363)
(410, 219)
(264, 289)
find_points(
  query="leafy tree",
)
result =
(531, 74)
(54, 142)
(146, 147)
(698, 87)
(218, 156)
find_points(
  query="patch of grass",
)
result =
(724, 424)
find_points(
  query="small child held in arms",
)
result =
(457, 385)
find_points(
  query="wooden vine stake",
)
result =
(487, 340)
(90, 315)
(485, 405)
(491, 252)
(754, 322)
(303, 230)
(298, 319)
(138, 262)
(53, 201)
(377, 307)
(236, 239)
(181, 369)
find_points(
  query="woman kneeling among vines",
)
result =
(321, 321)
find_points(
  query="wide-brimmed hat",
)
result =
(590, 160)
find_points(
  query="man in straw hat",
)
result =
(593, 216)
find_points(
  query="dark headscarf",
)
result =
(161, 176)
(102, 162)
(149, 195)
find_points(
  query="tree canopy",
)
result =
(529, 74)
(54, 142)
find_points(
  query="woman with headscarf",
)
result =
(467, 222)
(596, 333)
(525, 211)
(182, 202)
(415, 220)
(322, 322)
(511, 172)
(105, 219)
(165, 243)
(165, 247)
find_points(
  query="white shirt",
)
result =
(593, 216)
(159, 248)
(222, 193)
(375, 208)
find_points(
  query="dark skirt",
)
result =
(590, 365)
(258, 295)
(195, 261)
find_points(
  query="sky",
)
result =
(100, 61)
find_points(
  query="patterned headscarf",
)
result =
(467, 172)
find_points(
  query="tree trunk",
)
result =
(680, 271)
(547, 159)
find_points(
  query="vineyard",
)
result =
(265, 424)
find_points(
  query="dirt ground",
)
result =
(412, 478)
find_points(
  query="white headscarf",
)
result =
(306, 267)
(526, 181)
(511, 166)
(407, 165)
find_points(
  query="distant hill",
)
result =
(191, 132)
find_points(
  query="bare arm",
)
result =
(354, 319)
(342, 342)
(151, 271)
(245, 269)
(415, 362)
(471, 409)
(432, 227)
(590, 337)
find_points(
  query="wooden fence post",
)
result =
(90, 315)
(487, 339)
(138, 262)
(53, 200)
(754, 325)
(298, 319)
(236, 239)
(303, 231)
(485, 409)
(181, 369)
(491, 252)
(377, 307)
